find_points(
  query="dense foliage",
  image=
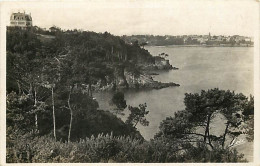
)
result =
(137, 115)
(194, 124)
(50, 76)
(118, 100)
(88, 55)
(108, 148)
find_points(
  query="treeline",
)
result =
(91, 55)
(52, 116)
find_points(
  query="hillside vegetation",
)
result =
(52, 117)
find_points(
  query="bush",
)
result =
(201, 153)
(46, 149)
(108, 148)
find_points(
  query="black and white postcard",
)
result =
(130, 81)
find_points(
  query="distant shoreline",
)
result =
(196, 46)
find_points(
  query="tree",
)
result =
(163, 55)
(50, 77)
(143, 44)
(205, 106)
(25, 63)
(75, 74)
(79, 105)
(119, 101)
(71, 112)
(199, 113)
(249, 108)
(177, 127)
(18, 112)
(248, 113)
(250, 128)
(135, 43)
(27, 74)
(137, 115)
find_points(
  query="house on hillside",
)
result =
(21, 20)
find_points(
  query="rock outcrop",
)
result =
(139, 78)
(160, 63)
(143, 81)
(126, 79)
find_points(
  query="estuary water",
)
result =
(199, 68)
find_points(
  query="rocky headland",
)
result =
(160, 63)
(126, 78)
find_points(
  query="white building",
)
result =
(21, 19)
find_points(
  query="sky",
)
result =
(157, 17)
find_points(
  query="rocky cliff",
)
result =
(126, 79)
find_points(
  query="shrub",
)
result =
(108, 148)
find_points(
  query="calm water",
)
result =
(199, 68)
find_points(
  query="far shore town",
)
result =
(204, 40)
